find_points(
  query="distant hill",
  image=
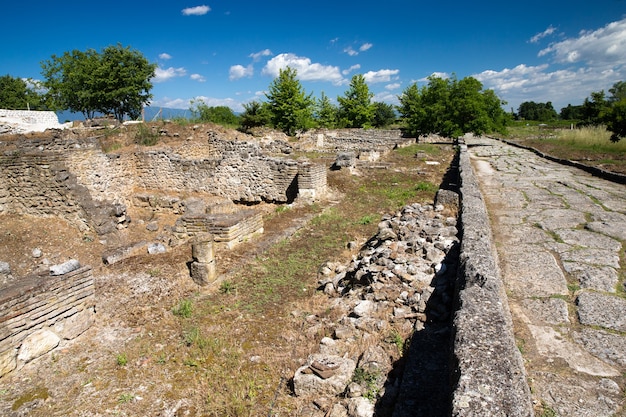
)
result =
(150, 113)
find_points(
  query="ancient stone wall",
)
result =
(490, 375)
(39, 311)
(42, 183)
(72, 178)
(311, 180)
(361, 140)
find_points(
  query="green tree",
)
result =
(116, 81)
(255, 114)
(615, 119)
(70, 81)
(123, 79)
(325, 112)
(593, 105)
(411, 111)
(571, 112)
(19, 94)
(355, 107)
(384, 114)
(543, 112)
(291, 108)
(618, 92)
(450, 108)
(221, 115)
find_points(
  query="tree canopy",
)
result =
(325, 112)
(384, 114)
(355, 107)
(450, 107)
(543, 112)
(18, 94)
(290, 107)
(222, 115)
(114, 81)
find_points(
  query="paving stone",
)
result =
(596, 309)
(589, 239)
(609, 347)
(548, 310)
(603, 278)
(532, 271)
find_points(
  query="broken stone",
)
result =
(310, 384)
(65, 267)
(36, 344)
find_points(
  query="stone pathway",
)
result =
(560, 236)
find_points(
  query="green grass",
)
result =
(184, 309)
(428, 149)
(121, 359)
(367, 379)
(227, 287)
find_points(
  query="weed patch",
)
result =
(184, 309)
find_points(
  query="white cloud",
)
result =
(443, 75)
(197, 77)
(386, 97)
(350, 51)
(239, 71)
(591, 61)
(258, 55)
(165, 56)
(549, 31)
(180, 103)
(365, 47)
(604, 46)
(352, 68)
(380, 76)
(161, 75)
(393, 86)
(307, 71)
(537, 83)
(196, 11)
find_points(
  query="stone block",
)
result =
(75, 325)
(203, 273)
(307, 381)
(202, 248)
(36, 344)
(8, 361)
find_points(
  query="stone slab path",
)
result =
(560, 236)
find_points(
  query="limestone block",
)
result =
(65, 267)
(203, 273)
(36, 344)
(202, 248)
(75, 325)
(156, 248)
(308, 382)
(8, 361)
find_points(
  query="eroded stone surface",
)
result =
(571, 232)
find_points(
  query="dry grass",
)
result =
(589, 145)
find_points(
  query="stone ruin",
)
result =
(366, 145)
(39, 312)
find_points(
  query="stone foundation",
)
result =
(228, 229)
(39, 311)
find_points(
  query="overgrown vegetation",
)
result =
(590, 145)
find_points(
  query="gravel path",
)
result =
(560, 235)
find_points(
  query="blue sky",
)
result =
(227, 52)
